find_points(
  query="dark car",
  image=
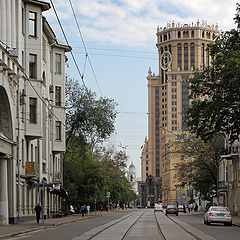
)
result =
(172, 209)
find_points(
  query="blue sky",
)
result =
(120, 37)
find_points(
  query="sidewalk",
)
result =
(12, 230)
(235, 219)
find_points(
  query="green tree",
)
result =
(200, 171)
(87, 117)
(214, 90)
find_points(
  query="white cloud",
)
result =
(133, 21)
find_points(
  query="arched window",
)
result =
(169, 36)
(192, 34)
(192, 55)
(165, 37)
(185, 56)
(179, 34)
(179, 47)
(160, 38)
(208, 35)
(185, 34)
(203, 34)
(202, 54)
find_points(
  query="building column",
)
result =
(3, 192)
(3, 20)
(9, 24)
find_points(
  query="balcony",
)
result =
(32, 169)
(57, 177)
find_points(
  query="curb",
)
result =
(42, 227)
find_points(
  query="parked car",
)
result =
(217, 214)
(172, 209)
(181, 208)
(158, 207)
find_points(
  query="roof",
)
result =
(132, 165)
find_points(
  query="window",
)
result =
(32, 66)
(192, 55)
(147, 162)
(58, 96)
(202, 54)
(174, 90)
(36, 154)
(33, 110)
(185, 56)
(174, 83)
(33, 24)
(207, 56)
(31, 153)
(44, 168)
(179, 56)
(44, 48)
(57, 63)
(182, 157)
(58, 130)
(23, 160)
(146, 156)
(23, 21)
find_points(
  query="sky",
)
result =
(120, 39)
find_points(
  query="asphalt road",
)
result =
(76, 229)
(218, 231)
(71, 230)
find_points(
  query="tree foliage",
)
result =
(89, 118)
(89, 171)
(200, 171)
(91, 175)
(214, 90)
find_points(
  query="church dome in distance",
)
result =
(132, 165)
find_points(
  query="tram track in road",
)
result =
(139, 225)
(194, 236)
(131, 226)
(107, 227)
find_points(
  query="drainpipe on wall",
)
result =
(18, 161)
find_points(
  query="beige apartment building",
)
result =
(32, 111)
(181, 50)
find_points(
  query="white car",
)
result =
(216, 214)
(158, 207)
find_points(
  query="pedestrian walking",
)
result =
(83, 210)
(88, 209)
(38, 210)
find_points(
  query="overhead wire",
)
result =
(84, 45)
(74, 60)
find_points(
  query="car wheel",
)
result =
(207, 222)
(204, 221)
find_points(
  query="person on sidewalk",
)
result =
(38, 210)
(88, 210)
(83, 210)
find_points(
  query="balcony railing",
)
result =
(32, 169)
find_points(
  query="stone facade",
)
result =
(32, 110)
(181, 49)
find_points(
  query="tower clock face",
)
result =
(166, 60)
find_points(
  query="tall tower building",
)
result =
(181, 49)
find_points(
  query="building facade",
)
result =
(132, 178)
(181, 49)
(229, 178)
(32, 111)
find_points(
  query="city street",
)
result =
(129, 224)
